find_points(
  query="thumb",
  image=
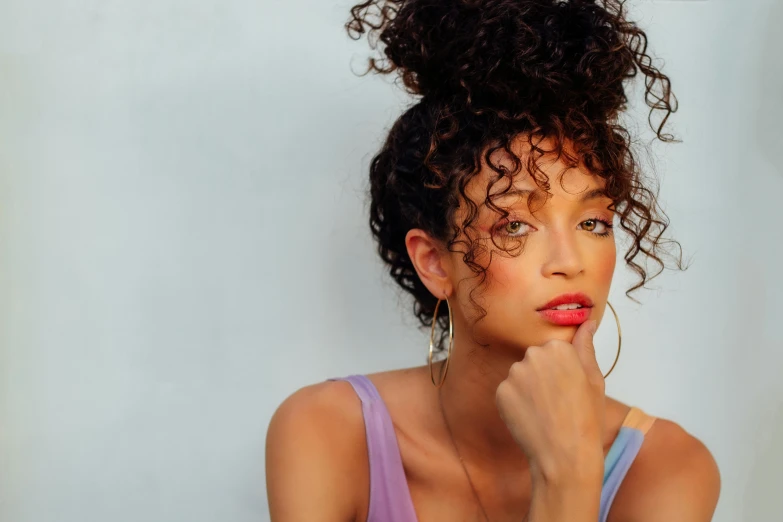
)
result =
(585, 349)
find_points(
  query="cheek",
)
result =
(508, 283)
(604, 268)
(511, 279)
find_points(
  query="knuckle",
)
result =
(558, 343)
(516, 369)
(502, 394)
(533, 352)
(559, 348)
(501, 390)
(598, 383)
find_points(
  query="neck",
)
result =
(467, 404)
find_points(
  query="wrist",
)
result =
(567, 491)
(586, 471)
(566, 502)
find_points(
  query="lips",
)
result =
(577, 297)
(567, 317)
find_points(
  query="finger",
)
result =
(585, 349)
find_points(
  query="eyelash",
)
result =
(608, 225)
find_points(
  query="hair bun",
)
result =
(534, 56)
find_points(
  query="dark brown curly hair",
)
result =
(484, 73)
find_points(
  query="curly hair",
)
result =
(485, 73)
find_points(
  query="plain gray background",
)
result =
(183, 243)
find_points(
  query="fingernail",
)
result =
(593, 326)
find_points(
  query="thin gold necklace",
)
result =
(462, 461)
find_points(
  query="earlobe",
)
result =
(429, 261)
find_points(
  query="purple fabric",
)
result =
(390, 499)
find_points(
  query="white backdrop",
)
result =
(183, 243)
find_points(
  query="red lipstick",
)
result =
(567, 317)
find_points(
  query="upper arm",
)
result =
(313, 456)
(677, 481)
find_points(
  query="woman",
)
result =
(494, 199)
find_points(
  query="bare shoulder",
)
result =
(316, 455)
(674, 477)
(324, 403)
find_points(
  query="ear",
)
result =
(431, 261)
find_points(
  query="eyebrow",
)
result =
(596, 193)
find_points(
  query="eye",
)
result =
(604, 227)
(513, 228)
(592, 224)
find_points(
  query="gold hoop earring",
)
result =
(619, 339)
(432, 344)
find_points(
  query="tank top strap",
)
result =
(638, 419)
(390, 499)
(622, 454)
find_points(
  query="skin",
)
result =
(528, 412)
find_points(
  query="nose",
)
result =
(562, 254)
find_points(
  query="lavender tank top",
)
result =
(390, 499)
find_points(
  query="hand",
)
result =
(553, 404)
